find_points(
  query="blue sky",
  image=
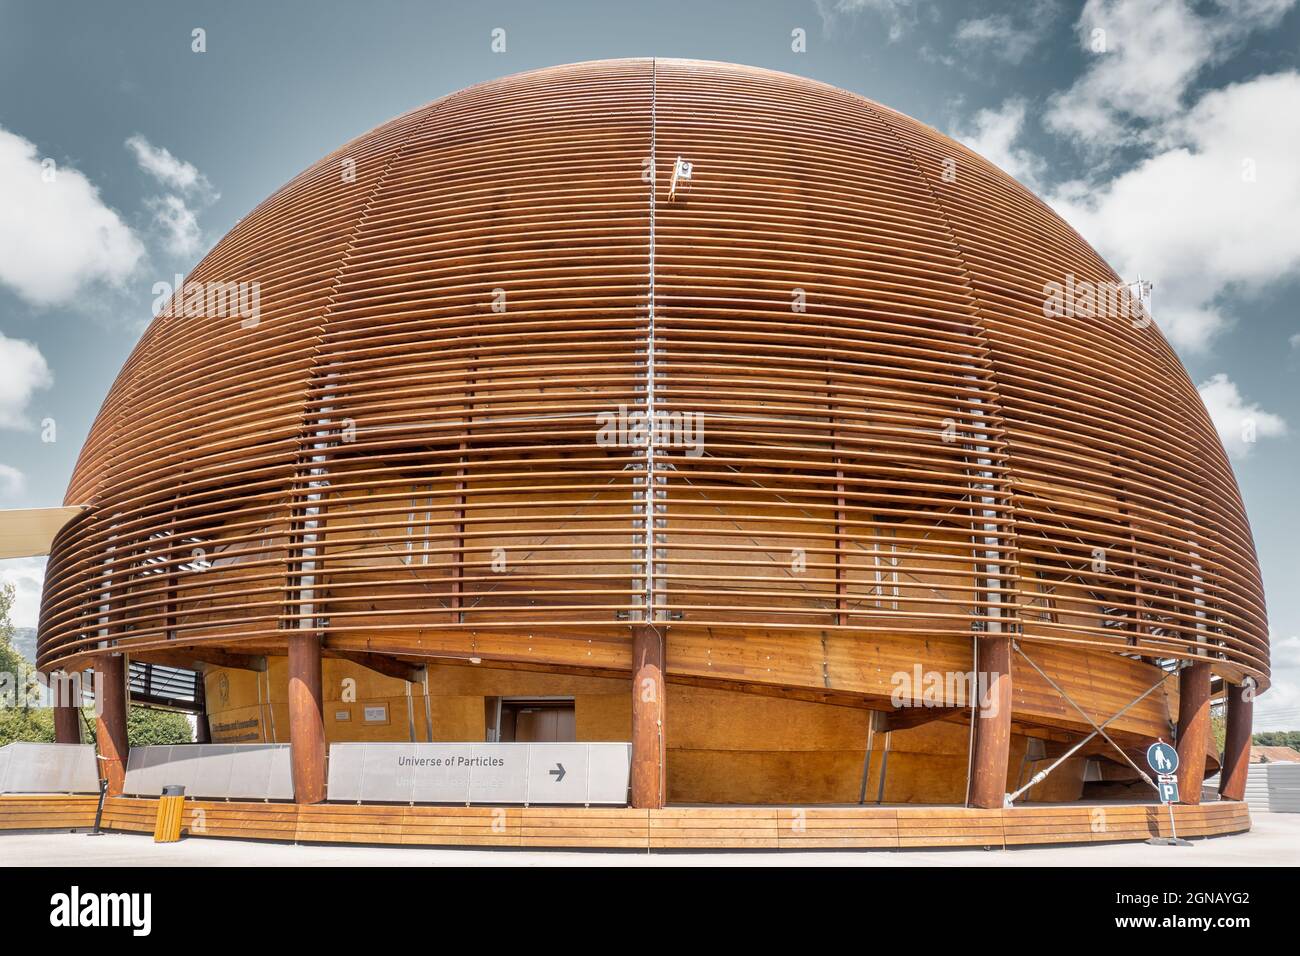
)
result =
(1167, 132)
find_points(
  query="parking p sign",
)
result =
(1168, 790)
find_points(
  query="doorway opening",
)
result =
(534, 720)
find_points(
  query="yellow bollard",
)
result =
(171, 809)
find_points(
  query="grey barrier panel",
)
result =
(381, 778)
(142, 770)
(558, 773)
(345, 767)
(442, 777)
(482, 773)
(210, 771)
(48, 768)
(217, 771)
(498, 773)
(281, 784)
(609, 767)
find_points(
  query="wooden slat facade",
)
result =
(693, 828)
(852, 304)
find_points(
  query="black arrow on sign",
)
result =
(558, 772)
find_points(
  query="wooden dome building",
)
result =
(927, 498)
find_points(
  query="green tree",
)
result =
(1277, 738)
(17, 720)
(144, 725)
(34, 724)
(1219, 726)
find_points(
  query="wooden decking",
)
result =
(758, 828)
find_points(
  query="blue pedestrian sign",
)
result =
(1162, 758)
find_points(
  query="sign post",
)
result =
(1163, 759)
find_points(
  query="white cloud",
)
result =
(1206, 214)
(23, 370)
(27, 575)
(12, 481)
(58, 236)
(1240, 423)
(897, 14)
(1004, 36)
(1153, 50)
(993, 134)
(172, 172)
(178, 224)
(175, 215)
(1278, 708)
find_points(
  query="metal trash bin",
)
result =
(171, 809)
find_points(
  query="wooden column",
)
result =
(67, 725)
(1193, 729)
(1236, 747)
(110, 720)
(306, 718)
(992, 744)
(67, 717)
(648, 778)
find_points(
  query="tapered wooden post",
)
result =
(1236, 746)
(1193, 729)
(110, 720)
(648, 777)
(992, 743)
(65, 689)
(306, 718)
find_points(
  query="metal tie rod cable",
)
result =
(1142, 773)
(1042, 775)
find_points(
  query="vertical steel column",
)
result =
(648, 772)
(991, 731)
(202, 729)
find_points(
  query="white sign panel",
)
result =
(487, 773)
